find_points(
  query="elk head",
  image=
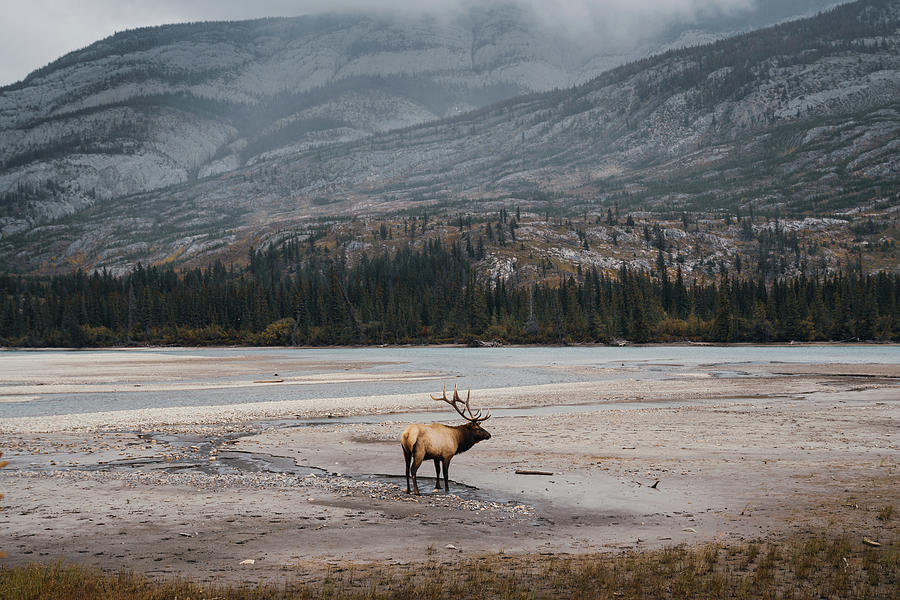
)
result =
(462, 407)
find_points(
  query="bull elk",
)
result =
(441, 442)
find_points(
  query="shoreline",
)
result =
(627, 344)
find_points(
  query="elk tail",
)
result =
(409, 438)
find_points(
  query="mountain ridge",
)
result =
(635, 135)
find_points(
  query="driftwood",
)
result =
(530, 472)
(489, 344)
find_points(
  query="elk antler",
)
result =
(455, 402)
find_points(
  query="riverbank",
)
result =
(657, 455)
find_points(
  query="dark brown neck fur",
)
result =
(465, 438)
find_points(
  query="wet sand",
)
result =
(193, 491)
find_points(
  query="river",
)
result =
(53, 382)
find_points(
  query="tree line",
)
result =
(288, 295)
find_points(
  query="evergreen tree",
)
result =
(723, 327)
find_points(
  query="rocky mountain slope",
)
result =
(153, 107)
(150, 108)
(801, 118)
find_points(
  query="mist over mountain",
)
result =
(253, 127)
(153, 107)
(35, 33)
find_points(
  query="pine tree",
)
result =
(723, 328)
(665, 285)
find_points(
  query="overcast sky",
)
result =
(36, 32)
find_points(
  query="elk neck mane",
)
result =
(464, 436)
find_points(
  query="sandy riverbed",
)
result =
(771, 452)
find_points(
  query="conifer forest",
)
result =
(287, 295)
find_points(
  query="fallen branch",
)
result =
(530, 472)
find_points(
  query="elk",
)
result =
(441, 442)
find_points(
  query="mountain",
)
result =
(799, 117)
(153, 107)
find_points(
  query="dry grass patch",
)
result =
(817, 567)
(3, 463)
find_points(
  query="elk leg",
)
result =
(418, 457)
(446, 481)
(437, 473)
(407, 456)
(415, 467)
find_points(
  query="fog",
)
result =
(37, 32)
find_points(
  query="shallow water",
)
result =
(191, 454)
(476, 368)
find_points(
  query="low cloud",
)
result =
(37, 32)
